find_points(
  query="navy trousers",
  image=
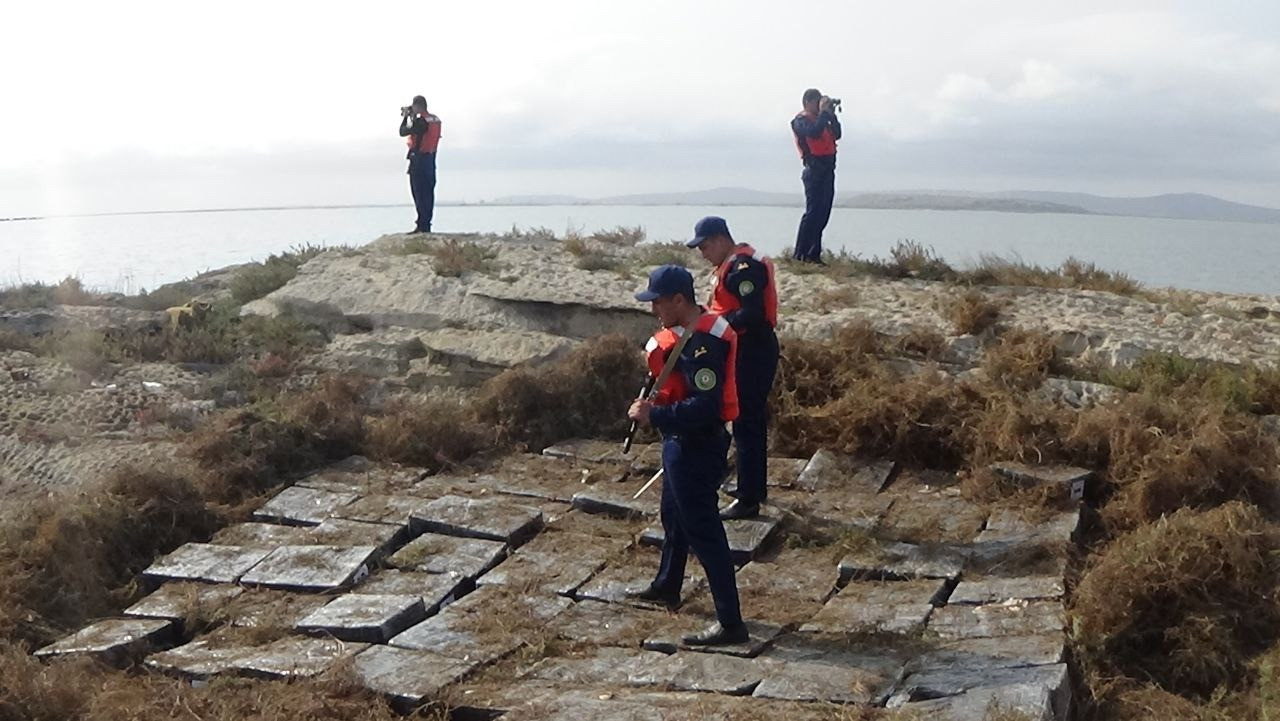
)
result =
(819, 179)
(422, 183)
(693, 470)
(757, 365)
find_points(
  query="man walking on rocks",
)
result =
(745, 294)
(690, 410)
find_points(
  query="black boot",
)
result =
(740, 509)
(717, 635)
(652, 594)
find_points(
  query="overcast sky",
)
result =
(165, 105)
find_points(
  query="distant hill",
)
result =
(1183, 206)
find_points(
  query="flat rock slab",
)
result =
(716, 673)
(635, 571)
(867, 683)
(436, 553)
(115, 640)
(779, 473)
(369, 618)
(408, 678)
(294, 657)
(895, 560)
(879, 607)
(200, 659)
(311, 568)
(1040, 692)
(928, 515)
(605, 667)
(261, 535)
(394, 510)
(488, 518)
(992, 653)
(608, 624)
(362, 478)
(435, 589)
(997, 590)
(264, 608)
(345, 532)
(747, 536)
(789, 588)
(205, 562)
(1070, 480)
(1018, 618)
(301, 506)
(590, 450)
(670, 640)
(827, 471)
(547, 572)
(483, 626)
(1007, 526)
(831, 508)
(615, 499)
(178, 601)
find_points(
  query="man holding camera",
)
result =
(422, 131)
(816, 130)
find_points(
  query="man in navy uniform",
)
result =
(690, 410)
(745, 293)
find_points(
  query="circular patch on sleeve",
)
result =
(705, 379)
(746, 287)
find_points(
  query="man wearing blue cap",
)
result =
(690, 410)
(745, 293)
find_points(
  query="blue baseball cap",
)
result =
(667, 280)
(708, 227)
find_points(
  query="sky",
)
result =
(131, 106)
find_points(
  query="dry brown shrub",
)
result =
(333, 410)
(1020, 360)
(1185, 601)
(922, 342)
(970, 313)
(433, 434)
(584, 394)
(70, 559)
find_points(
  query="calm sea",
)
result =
(131, 252)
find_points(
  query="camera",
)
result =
(406, 109)
(835, 104)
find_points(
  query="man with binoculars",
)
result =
(816, 130)
(422, 131)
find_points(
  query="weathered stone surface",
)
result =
(867, 683)
(879, 607)
(930, 515)
(895, 560)
(483, 353)
(371, 618)
(177, 601)
(409, 678)
(636, 571)
(590, 450)
(344, 532)
(302, 506)
(716, 673)
(295, 657)
(615, 499)
(265, 608)
(311, 568)
(608, 624)
(205, 562)
(998, 590)
(832, 471)
(1069, 480)
(380, 508)
(747, 537)
(362, 477)
(788, 588)
(1076, 393)
(435, 589)
(1015, 618)
(993, 653)
(114, 640)
(1008, 526)
(836, 509)
(1040, 692)
(606, 667)
(379, 353)
(200, 659)
(435, 553)
(260, 535)
(489, 518)
(780, 473)
(554, 563)
(484, 625)
(669, 640)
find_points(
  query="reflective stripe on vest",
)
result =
(426, 142)
(676, 389)
(823, 145)
(722, 301)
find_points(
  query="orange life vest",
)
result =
(823, 145)
(426, 142)
(676, 388)
(722, 301)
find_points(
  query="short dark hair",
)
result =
(811, 95)
(419, 100)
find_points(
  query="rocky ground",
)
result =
(501, 590)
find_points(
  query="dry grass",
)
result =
(1020, 360)
(433, 434)
(1072, 273)
(651, 255)
(257, 280)
(451, 258)
(970, 313)
(69, 291)
(621, 236)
